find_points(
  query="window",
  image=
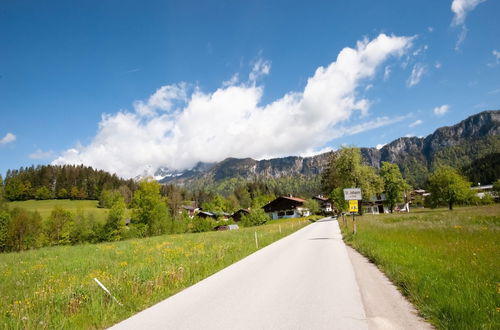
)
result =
(281, 214)
(289, 212)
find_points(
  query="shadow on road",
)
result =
(320, 238)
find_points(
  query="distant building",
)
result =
(206, 214)
(190, 210)
(226, 227)
(286, 207)
(375, 205)
(238, 214)
(325, 204)
(482, 190)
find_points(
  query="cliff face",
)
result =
(414, 155)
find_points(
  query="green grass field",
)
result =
(54, 287)
(46, 206)
(446, 263)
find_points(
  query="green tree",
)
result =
(394, 184)
(108, 197)
(43, 193)
(243, 196)
(62, 193)
(312, 205)
(496, 187)
(448, 187)
(337, 196)
(217, 204)
(149, 208)
(24, 229)
(81, 231)
(115, 221)
(4, 229)
(346, 170)
(59, 226)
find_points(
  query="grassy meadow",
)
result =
(446, 262)
(44, 207)
(54, 287)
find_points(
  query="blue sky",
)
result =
(128, 86)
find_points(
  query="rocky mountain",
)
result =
(458, 145)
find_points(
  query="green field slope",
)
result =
(54, 288)
(46, 206)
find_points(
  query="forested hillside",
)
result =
(68, 181)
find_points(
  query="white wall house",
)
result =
(286, 207)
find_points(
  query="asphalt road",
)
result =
(304, 281)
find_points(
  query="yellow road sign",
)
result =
(353, 206)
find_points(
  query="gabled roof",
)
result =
(321, 198)
(283, 203)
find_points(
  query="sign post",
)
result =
(353, 195)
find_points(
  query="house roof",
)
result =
(321, 198)
(300, 200)
(283, 203)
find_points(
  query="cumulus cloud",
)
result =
(460, 9)
(416, 123)
(380, 146)
(439, 111)
(40, 154)
(496, 55)
(8, 138)
(180, 125)
(416, 75)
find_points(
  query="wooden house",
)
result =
(286, 207)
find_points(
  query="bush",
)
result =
(200, 225)
(256, 217)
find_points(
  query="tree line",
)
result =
(61, 182)
(346, 169)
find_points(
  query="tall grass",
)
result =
(446, 263)
(54, 287)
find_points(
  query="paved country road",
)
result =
(303, 281)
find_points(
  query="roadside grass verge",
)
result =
(446, 263)
(54, 287)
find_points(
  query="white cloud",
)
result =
(180, 125)
(460, 9)
(437, 65)
(40, 154)
(416, 75)
(260, 68)
(415, 123)
(439, 111)
(430, 29)
(496, 54)
(387, 72)
(8, 138)
(380, 146)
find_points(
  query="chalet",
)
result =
(190, 210)
(286, 207)
(325, 204)
(238, 214)
(480, 191)
(375, 205)
(206, 214)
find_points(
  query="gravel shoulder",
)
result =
(385, 307)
